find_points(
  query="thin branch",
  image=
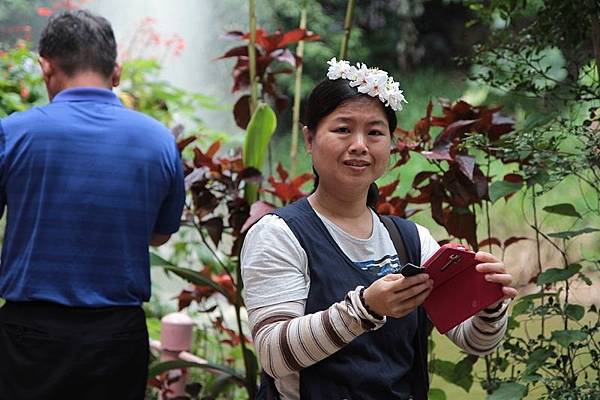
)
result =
(252, 56)
(347, 29)
(297, 96)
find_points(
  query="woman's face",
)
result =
(351, 146)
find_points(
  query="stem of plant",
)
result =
(297, 95)
(250, 386)
(595, 23)
(538, 249)
(347, 29)
(252, 56)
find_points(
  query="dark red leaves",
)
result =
(490, 241)
(233, 338)
(269, 48)
(241, 111)
(214, 227)
(198, 293)
(285, 189)
(514, 239)
(458, 184)
(183, 143)
(279, 39)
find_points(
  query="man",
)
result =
(88, 185)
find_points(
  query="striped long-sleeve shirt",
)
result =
(277, 279)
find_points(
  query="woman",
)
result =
(328, 320)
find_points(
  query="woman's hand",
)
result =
(495, 271)
(395, 295)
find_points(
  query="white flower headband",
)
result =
(372, 81)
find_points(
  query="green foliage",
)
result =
(500, 189)
(21, 84)
(143, 90)
(258, 135)
(508, 391)
(437, 394)
(459, 374)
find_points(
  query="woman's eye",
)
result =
(376, 133)
(342, 129)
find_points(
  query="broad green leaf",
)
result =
(568, 337)
(536, 360)
(540, 178)
(164, 366)
(463, 374)
(574, 311)
(558, 274)
(508, 391)
(158, 261)
(437, 394)
(258, 134)
(521, 307)
(500, 189)
(442, 368)
(195, 277)
(572, 234)
(513, 323)
(586, 279)
(566, 209)
(537, 120)
(459, 374)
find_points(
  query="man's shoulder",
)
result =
(22, 118)
(145, 120)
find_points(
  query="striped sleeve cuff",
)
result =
(368, 321)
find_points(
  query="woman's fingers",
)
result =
(485, 257)
(495, 271)
(503, 279)
(491, 268)
(414, 290)
(405, 306)
(510, 292)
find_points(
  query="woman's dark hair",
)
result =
(79, 41)
(326, 97)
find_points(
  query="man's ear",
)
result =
(47, 68)
(308, 138)
(116, 75)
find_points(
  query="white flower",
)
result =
(337, 69)
(371, 81)
(375, 81)
(360, 76)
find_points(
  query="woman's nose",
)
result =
(358, 144)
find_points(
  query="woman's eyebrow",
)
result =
(350, 119)
(378, 122)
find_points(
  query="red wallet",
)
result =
(459, 290)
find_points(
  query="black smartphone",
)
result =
(411, 270)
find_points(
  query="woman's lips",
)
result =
(357, 163)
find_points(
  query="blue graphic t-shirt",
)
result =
(375, 254)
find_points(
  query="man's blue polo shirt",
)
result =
(85, 182)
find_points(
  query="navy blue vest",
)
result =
(382, 364)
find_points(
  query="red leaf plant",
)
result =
(287, 190)
(269, 49)
(458, 184)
